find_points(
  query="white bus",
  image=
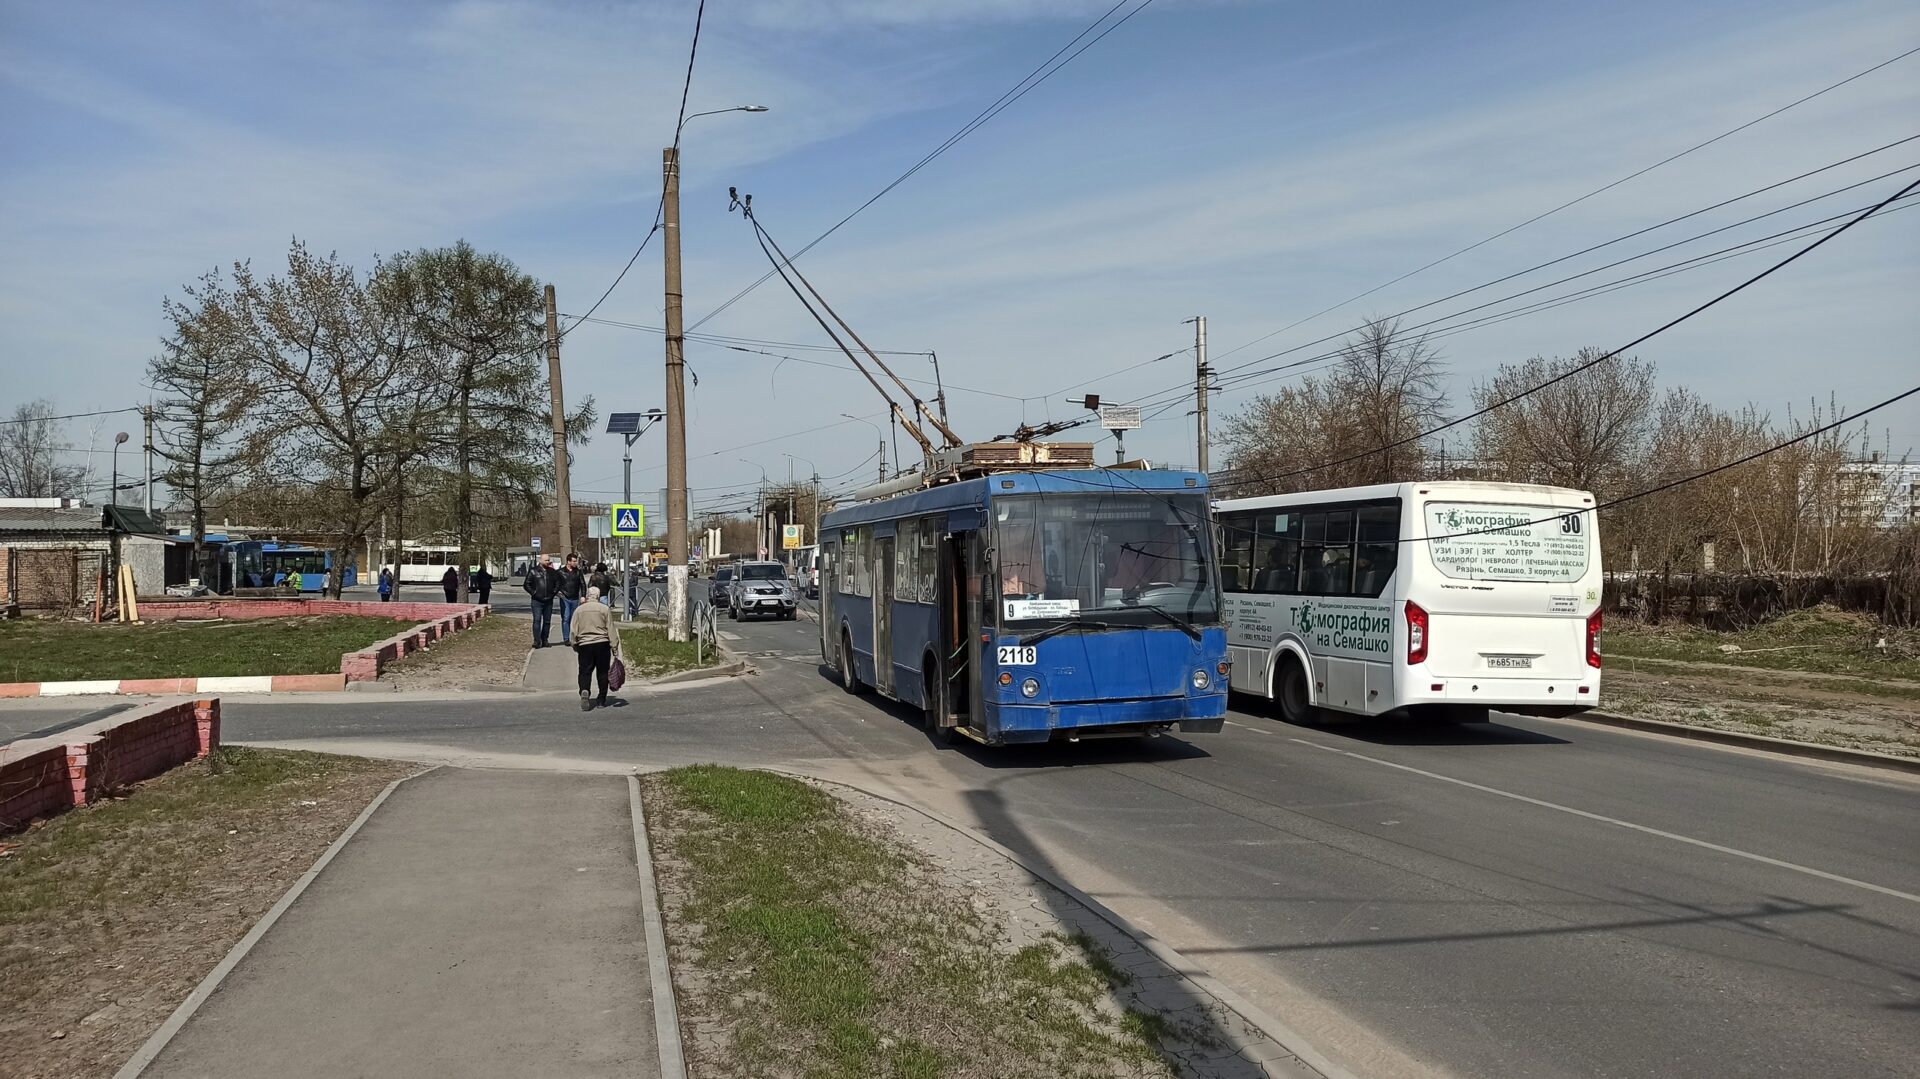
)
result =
(1445, 599)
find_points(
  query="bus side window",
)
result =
(1378, 532)
(1277, 543)
(1326, 561)
(1236, 552)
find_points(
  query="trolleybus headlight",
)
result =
(1030, 688)
(1200, 678)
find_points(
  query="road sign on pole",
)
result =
(629, 520)
(536, 543)
(1120, 417)
(790, 537)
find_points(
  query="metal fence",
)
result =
(705, 624)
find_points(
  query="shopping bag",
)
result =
(616, 674)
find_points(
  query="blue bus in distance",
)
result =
(264, 564)
(1032, 606)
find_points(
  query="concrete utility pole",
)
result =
(1200, 376)
(676, 402)
(561, 493)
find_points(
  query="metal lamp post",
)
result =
(630, 425)
(677, 546)
(113, 493)
(816, 495)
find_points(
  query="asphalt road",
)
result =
(1531, 898)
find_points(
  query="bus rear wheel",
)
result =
(1292, 695)
(849, 676)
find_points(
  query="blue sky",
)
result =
(1253, 162)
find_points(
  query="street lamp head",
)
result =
(753, 108)
(119, 438)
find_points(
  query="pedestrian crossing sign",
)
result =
(629, 520)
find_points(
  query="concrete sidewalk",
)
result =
(555, 667)
(482, 923)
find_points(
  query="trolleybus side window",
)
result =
(849, 558)
(906, 561)
(860, 557)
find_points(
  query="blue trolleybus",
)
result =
(1029, 606)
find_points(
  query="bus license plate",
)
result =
(1017, 655)
(1510, 662)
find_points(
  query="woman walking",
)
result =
(593, 644)
(450, 583)
(602, 580)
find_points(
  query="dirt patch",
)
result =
(1810, 708)
(487, 655)
(109, 915)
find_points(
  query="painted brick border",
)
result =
(440, 621)
(49, 775)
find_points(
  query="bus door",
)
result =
(883, 614)
(962, 562)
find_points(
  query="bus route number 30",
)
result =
(1017, 655)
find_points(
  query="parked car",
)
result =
(719, 592)
(762, 588)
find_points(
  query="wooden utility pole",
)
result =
(561, 493)
(676, 402)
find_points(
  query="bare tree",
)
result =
(210, 392)
(1384, 389)
(344, 388)
(480, 323)
(28, 442)
(1585, 431)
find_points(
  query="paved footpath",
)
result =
(482, 923)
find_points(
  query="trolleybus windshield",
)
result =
(1121, 554)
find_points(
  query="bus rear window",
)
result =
(1473, 541)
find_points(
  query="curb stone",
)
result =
(666, 1010)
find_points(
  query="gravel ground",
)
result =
(489, 655)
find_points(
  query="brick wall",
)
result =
(76, 767)
(33, 783)
(170, 610)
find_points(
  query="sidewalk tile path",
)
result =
(482, 923)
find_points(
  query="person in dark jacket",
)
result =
(481, 581)
(572, 590)
(386, 584)
(542, 582)
(450, 584)
(602, 580)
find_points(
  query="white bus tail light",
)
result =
(1593, 640)
(1416, 633)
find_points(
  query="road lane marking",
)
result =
(1675, 836)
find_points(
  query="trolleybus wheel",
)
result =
(849, 678)
(1296, 703)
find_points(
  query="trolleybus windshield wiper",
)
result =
(1072, 623)
(1186, 627)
